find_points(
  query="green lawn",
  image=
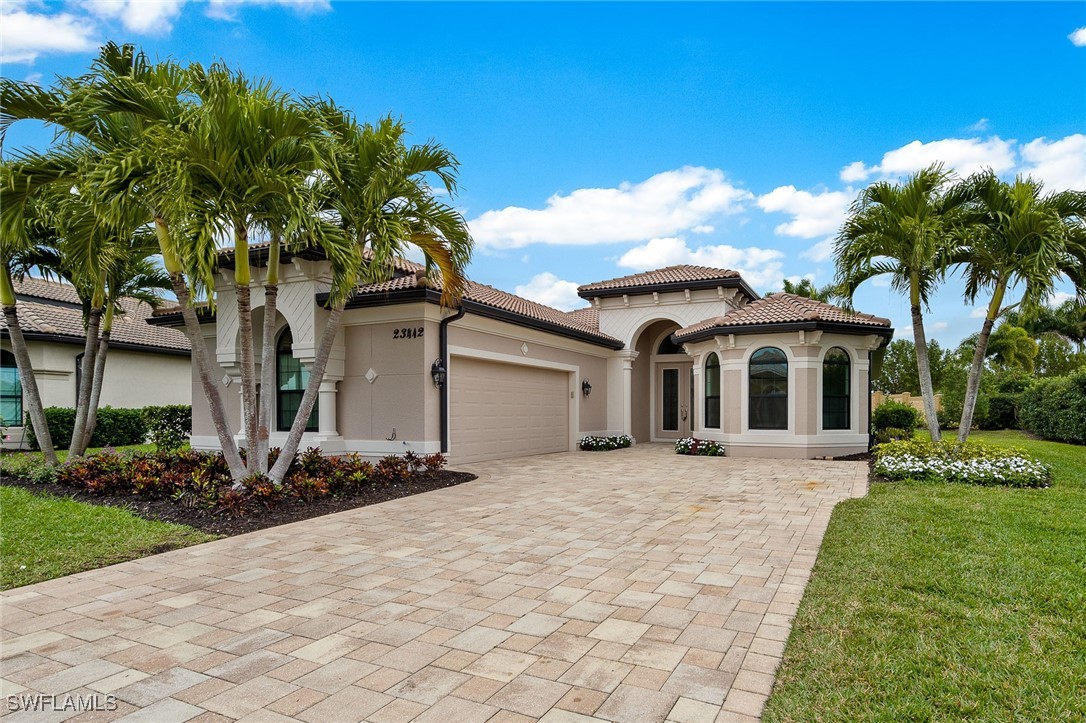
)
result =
(42, 537)
(15, 462)
(947, 602)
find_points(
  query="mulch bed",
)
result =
(219, 524)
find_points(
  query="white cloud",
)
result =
(703, 228)
(24, 35)
(140, 16)
(1078, 38)
(821, 251)
(1058, 298)
(759, 267)
(813, 214)
(936, 326)
(228, 9)
(546, 288)
(1060, 164)
(963, 155)
(978, 312)
(981, 125)
(668, 203)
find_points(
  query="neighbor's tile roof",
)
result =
(498, 299)
(40, 313)
(782, 308)
(669, 275)
(589, 316)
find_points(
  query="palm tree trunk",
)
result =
(309, 398)
(26, 369)
(83, 400)
(99, 377)
(924, 371)
(976, 369)
(267, 357)
(243, 290)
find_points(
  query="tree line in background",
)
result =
(155, 165)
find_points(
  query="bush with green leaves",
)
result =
(1055, 408)
(602, 444)
(890, 434)
(952, 461)
(699, 447)
(169, 426)
(115, 427)
(1002, 411)
(894, 415)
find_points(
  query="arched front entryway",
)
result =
(662, 380)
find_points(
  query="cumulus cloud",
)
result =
(978, 312)
(546, 288)
(139, 16)
(980, 125)
(1059, 297)
(964, 155)
(1078, 38)
(228, 9)
(759, 267)
(1060, 164)
(26, 35)
(813, 214)
(821, 251)
(668, 203)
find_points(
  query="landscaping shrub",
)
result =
(890, 434)
(1055, 408)
(950, 461)
(435, 462)
(699, 447)
(169, 427)
(116, 427)
(1002, 412)
(391, 470)
(603, 444)
(894, 415)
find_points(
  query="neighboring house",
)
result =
(681, 351)
(146, 364)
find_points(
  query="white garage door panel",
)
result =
(506, 410)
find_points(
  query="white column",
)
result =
(326, 412)
(627, 391)
(697, 416)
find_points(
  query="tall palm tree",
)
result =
(911, 231)
(1019, 237)
(376, 192)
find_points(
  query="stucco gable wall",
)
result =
(625, 317)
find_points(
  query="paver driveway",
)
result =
(633, 585)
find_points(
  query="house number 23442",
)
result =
(407, 333)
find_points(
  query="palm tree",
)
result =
(1019, 237)
(376, 190)
(909, 230)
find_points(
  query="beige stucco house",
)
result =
(680, 351)
(147, 364)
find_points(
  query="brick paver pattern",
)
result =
(633, 585)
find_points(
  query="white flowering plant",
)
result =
(699, 447)
(951, 461)
(602, 444)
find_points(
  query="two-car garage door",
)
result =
(501, 410)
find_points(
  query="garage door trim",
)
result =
(574, 374)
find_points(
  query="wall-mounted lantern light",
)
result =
(438, 372)
(586, 387)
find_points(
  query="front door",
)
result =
(674, 400)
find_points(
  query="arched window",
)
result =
(712, 391)
(768, 389)
(291, 378)
(835, 389)
(11, 391)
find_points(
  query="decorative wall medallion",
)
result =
(371, 376)
(524, 349)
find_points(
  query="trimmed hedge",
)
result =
(169, 426)
(949, 461)
(894, 415)
(1055, 408)
(115, 427)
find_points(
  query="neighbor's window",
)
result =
(835, 389)
(291, 379)
(11, 392)
(712, 392)
(768, 389)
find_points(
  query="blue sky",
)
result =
(598, 140)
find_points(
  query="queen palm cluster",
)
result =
(157, 167)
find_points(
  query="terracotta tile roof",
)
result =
(589, 316)
(659, 277)
(498, 299)
(782, 308)
(40, 313)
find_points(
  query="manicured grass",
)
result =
(947, 602)
(11, 460)
(43, 537)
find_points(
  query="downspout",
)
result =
(870, 437)
(443, 343)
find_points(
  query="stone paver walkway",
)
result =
(633, 585)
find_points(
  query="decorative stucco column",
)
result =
(326, 410)
(628, 357)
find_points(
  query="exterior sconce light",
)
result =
(586, 388)
(439, 373)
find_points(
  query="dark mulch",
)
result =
(219, 524)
